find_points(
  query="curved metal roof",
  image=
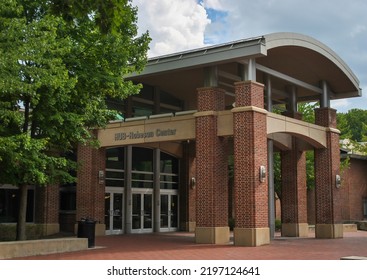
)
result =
(308, 51)
(290, 58)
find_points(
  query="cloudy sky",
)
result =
(177, 25)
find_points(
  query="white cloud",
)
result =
(213, 4)
(173, 25)
(177, 25)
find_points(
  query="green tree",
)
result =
(353, 125)
(57, 67)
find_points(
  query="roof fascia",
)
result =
(254, 47)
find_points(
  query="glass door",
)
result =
(169, 212)
(142, 212)
(114, 212)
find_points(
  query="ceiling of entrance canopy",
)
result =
(288, 58)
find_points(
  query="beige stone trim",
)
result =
(100, 229)
(212, 235)
(295, 229)
(205, 114)
(329, 231)
(249, 82)
(251, 237)
(50, 229)
(249, 108)
(333, 130)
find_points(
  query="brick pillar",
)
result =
(90, 189)
(211, 170)
(294, 189)
(327, 166)
(187, 188)
(47, 208)
(250, 152)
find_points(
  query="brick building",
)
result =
(163, 166)
(354, 189)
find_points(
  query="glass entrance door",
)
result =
(142, 212)
(114, 212)
(169, 212)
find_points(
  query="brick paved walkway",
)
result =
(182, 246)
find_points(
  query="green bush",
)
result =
(278, 225)
(8, 232)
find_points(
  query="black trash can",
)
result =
(87, 229)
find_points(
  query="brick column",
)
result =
(47, 208)
(327, 166)
(294, 189)
(211, 170)
(250, 152)
(90, 189)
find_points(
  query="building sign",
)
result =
(121, 136)
(149, 131)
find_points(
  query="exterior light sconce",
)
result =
(338, 181)
(101, 177)
(193, 183)
(262, 173)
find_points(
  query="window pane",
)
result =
(115, 158)
(9, 205)
(142, 159)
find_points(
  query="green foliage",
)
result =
(278, 225)
(57, 67)
(353, 125)
(8, 231)
(59, 62)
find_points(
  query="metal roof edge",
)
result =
(204, 56)
(274, 40)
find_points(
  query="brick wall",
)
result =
(294, 186)
(211, 162)
(250, 152)
(187, 191)
(89, 191)
(354, 186)
(327, 166)
(47, 204)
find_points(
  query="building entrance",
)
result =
(142, 211)
(114, 215)
(169, 212)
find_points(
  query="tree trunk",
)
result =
(21, 225)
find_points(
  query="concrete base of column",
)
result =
(189, 226)
(329, 231)
(295, 230)
(212, 235)
(50, 229)
(251, 237)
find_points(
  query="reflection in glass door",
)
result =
(142, 212)
(169, 212)
(114, 213)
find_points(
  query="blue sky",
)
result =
(177, 25)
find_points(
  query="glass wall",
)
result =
(148, 102)
(168, 172)
(115, 167)
(142, 168)
(9, 205)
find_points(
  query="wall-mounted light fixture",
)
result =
(101, 177)
(262, 173)
(338, 181)
(193, 182)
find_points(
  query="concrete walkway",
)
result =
(182, 246)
